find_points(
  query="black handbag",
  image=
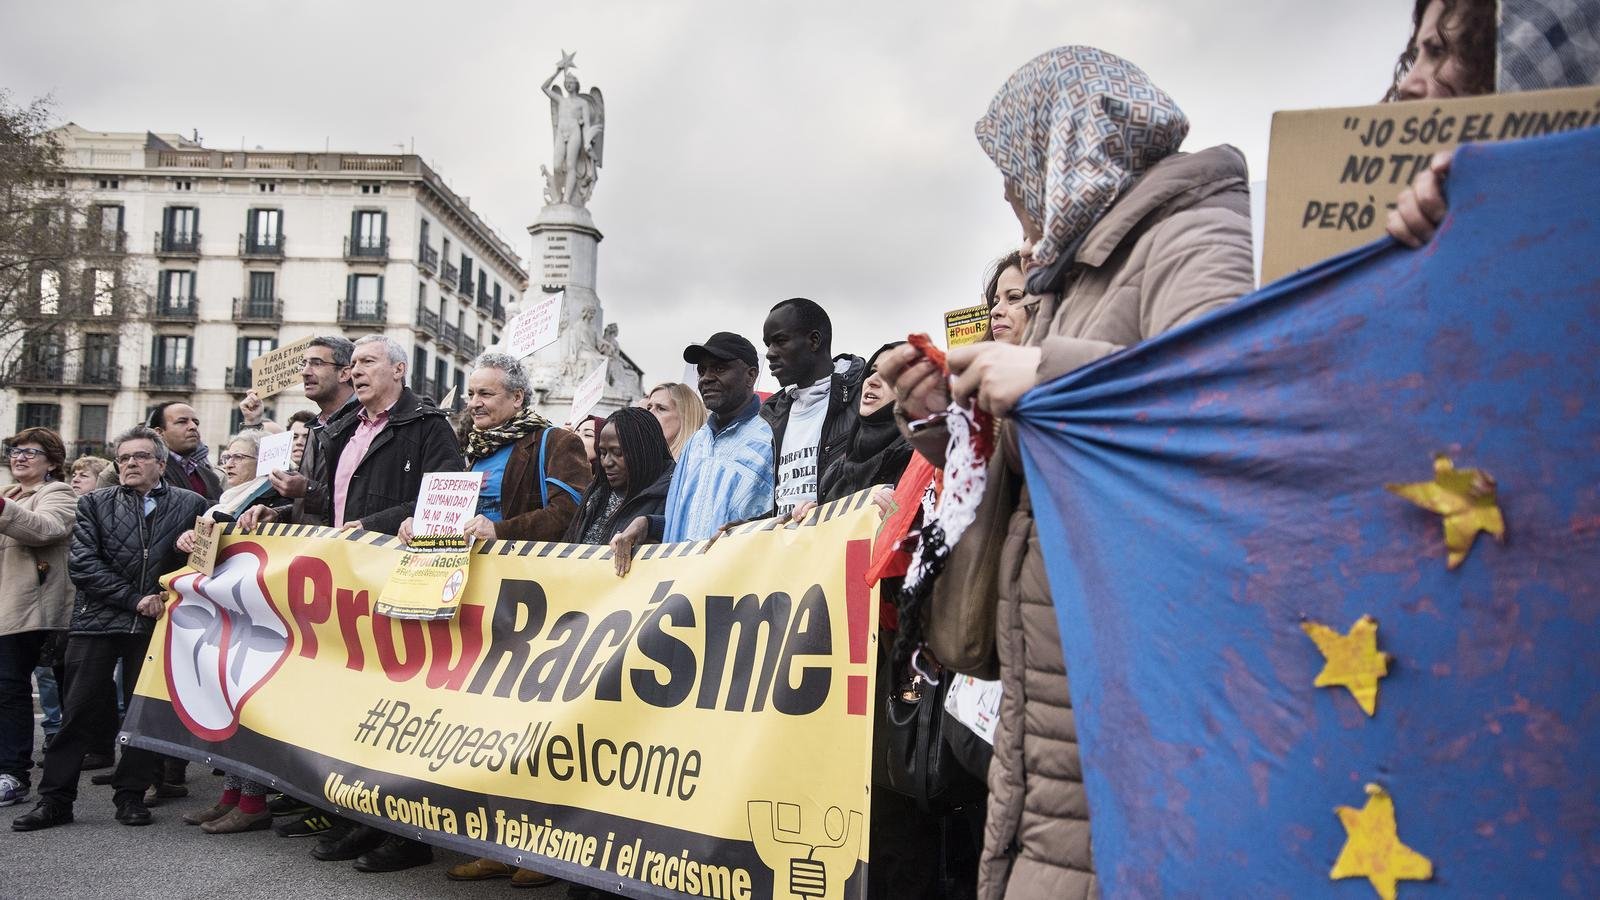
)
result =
(919, 762)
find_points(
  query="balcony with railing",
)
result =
(261, 246)
(178, 243)
(166, 378)
(449, 275)
(354, 312)
(366, 249)
(236, 379)
(427, 321)
(469, 347)
(449, 336)
(427, 258)
(499, 313)
(465, 286)
(425, 387)
(38, 373)
(258, 310)
(485, 300)
(175, 309)
(95, 375)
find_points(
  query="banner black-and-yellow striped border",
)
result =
(558, 550)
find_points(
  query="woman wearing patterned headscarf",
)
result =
(1124, 238)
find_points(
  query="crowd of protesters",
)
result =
(1124, 237)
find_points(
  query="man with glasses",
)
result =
(325, 375)
(124, 540)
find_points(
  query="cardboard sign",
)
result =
(589, 392)
(203, 558)
(965, 326)
(1334, 174)
(536, 327)
(275, 453)
(446, 502)
(275, 370)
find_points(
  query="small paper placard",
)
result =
(589, 392)
(203, 558)
(447, 501)
(966, 325)
(275, 370)
(430, 579)
(536, 327)
(275, 453)
(974, 703)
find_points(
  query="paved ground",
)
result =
(94, 857)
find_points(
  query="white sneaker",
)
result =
(11, 790)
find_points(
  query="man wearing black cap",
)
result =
(725, 473)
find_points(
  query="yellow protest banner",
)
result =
(965, 326)
(701, 728)
(1334, 174)
(275, 370)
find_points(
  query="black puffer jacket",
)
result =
(119, 554)
(837, 426)
(383, 490)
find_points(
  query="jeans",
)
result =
(87, 708)
(49, 698)
(18, 653)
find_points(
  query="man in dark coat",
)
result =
(814, 414)
(374, 462)
(125, 539)
(189, 465)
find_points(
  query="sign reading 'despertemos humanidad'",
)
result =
(700, 728)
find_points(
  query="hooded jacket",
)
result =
(837, 425)
(1174, 246)
(119, 554)
(383, 489)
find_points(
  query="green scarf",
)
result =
(484, 443)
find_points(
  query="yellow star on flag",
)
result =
(1466, 499)
(1372, 848)
(1353, 660)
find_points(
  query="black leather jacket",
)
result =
(119, 554)
(383, 489)
(837, 427)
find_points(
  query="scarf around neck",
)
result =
(1070, 131)
(484, 443)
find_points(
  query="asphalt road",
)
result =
(94, 857)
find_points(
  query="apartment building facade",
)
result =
(238, 252)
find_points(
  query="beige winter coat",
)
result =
(35, 527)
(1174, 247)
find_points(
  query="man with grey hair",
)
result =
(124, 541)
(325, 374)
(375, 460)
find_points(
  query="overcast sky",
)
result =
(754, 151)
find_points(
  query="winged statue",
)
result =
(577, 121)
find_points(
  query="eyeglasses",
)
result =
(24, 453)
(230, 457)
(318, 363)
(135, 456)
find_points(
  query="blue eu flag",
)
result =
(1212, 499)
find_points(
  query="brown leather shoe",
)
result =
(479, 869)
(237, 820)
(530, 878)
(208, 815)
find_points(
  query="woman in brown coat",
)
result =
(1124, 238)
(37, 513)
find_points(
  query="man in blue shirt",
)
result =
(725, 473)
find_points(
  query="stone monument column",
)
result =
(565, 250)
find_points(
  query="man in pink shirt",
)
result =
(377, 458)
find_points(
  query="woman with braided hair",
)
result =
(636, 463)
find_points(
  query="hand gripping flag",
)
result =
(1245, 525)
